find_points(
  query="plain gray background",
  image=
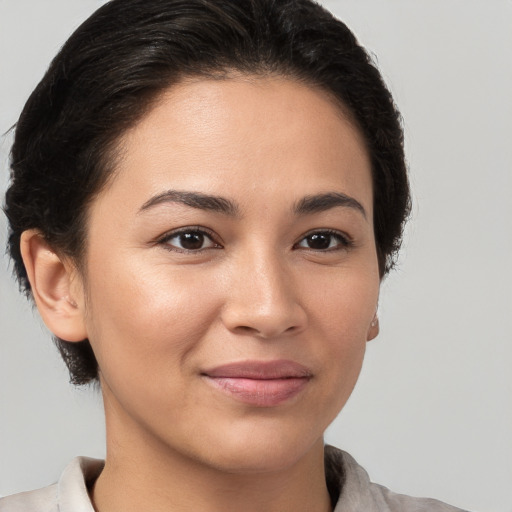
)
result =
(432, 412)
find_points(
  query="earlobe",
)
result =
(50, 279)
(373, 331)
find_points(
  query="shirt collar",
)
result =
(72, 486)
(348, 483)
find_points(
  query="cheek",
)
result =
(344, 303)
(341, 312)
(141, 320)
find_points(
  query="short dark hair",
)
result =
(112, 69)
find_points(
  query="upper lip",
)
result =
(260, 370)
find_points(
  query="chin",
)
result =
(260, 451)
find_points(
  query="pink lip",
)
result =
(262, 384)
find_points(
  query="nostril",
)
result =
(246, 328)
(264, 333)
(277, 318)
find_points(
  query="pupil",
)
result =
(192, 241)
(319, 241)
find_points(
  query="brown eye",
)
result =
(191, 240)
(319, 241)
(323, 241)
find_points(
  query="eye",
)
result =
(325, 241)
(189, 240)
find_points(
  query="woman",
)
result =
(205, 197)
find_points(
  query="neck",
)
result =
(144, 476)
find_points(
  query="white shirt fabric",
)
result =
(349, 485)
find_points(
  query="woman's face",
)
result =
(232, 275)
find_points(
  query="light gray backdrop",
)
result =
(432, 413)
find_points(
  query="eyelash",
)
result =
(344, 241)
(164, 241)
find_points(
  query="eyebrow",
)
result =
(194, 200)
(322, 202)
(307, 205)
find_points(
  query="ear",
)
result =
(373, 331)
(55, 287)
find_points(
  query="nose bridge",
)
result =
(263, 298)
(272, 282)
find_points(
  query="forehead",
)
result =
(244, 133)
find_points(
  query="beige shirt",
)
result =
(348, 483)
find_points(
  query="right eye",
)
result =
(189, 240)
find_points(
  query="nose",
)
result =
(263, 299)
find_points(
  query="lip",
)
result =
(259, 383)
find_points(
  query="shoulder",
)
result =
(69, 494)
(359, 494)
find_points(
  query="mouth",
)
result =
(261, 384)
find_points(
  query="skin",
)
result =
(158, 315)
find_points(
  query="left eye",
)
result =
(323, 241)
(191, 240)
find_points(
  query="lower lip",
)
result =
(260, 392)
